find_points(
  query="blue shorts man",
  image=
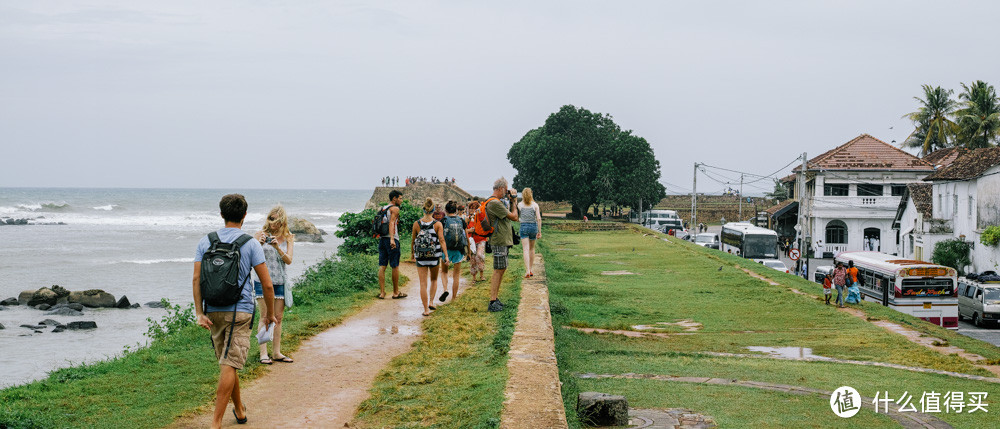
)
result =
(388, 248)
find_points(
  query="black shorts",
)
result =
(386, 254)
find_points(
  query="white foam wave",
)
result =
(155, 261)
(108, 207)
(327, 214)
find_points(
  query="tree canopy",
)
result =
(585, 158)
(940, 122)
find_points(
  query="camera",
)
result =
(269, 239)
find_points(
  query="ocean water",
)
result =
(134, 242)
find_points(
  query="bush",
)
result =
(356, 229)
(952, 253)
(349, 274)
(990, 236)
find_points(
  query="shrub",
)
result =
(356, 229)
(349, 274)
(990, 236)
(952, 253)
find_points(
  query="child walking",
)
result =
(827, 289)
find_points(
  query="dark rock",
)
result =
(60, 291)
(25, 296)
(123, 302)
(1, 326)
(602, 409)
(38, 332)
(309, 238)
(135, 305)
(49, 322)
(82, 325)
(43, 307)
(75, 306)
(62, 300)
(33, 327)
(64, 311)
(43, 296)
(10, 301)
(59, 328)
(94, 298)
(155, 304)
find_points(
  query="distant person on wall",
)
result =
(388, 246)
(456, 239)
(429, 250)
(531, 228)
(278, 243)
(477, 266)
(230, 325)
(499, 214)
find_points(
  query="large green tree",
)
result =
(933, 127)
(979, 119)
(585, 158)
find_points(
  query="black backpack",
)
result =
(380, 225)
(454, 233)
(220, 276)
(220, 271)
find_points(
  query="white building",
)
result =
(961, 200)
(853, 192)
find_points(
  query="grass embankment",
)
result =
(679, 281)
(454, 377)
(177, 373)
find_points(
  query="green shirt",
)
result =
(496, 212)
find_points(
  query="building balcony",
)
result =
(856, 203)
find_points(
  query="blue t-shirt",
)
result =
(251, 255)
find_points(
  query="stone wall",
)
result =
(417, 193)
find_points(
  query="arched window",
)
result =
(836, 232)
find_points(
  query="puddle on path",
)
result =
(788, 352)
(362, 333)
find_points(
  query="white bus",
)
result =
(749, 241)
(918, 288)
(662, 220)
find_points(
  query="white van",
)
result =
(980, 302)
(662, 220)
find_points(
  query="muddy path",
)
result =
(334, 370)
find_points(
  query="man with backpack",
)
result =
(386, 228)
(224, 299)
(501, 209)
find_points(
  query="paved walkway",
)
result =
(533, 393)
(333, 370)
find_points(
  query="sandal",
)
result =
(380, 296)
(284, 359)
(402, 295)
(238, 419)
(266, 361)
(444, 296)
(432, 307)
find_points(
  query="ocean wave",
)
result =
(44, 207)
(107, 208)
(327, 214)
(154, 261)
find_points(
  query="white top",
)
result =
(528, 211)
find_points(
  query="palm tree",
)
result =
(979, 121)
(932, 128)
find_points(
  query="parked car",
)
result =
(707, 239)
(682, 234)
(980, 302)
(775, 264)
(822, 273)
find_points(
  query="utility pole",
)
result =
(802, 212)
(740, 218)
(694, 196)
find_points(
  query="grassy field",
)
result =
(177, 373)
(456, 373)
(676, 281)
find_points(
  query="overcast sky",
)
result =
(323, 94)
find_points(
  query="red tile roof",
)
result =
(944, 157)
(970, 165)
(867, 153)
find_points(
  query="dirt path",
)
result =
(333, 370)
(533, 394)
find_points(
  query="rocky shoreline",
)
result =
(58, 301)
(26, 221)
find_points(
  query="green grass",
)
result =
(456, 373)
(677, 281)
(177, 374)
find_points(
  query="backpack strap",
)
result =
(239, 242)
(213, 240)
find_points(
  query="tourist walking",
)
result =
(388, 245)
(477, 263)
(230, 324)
(531, 228)
(840, 282)
(499, 214)
(429, 249)
(827, 286)
(278, 244)
(456, 238)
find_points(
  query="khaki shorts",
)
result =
(240, 345)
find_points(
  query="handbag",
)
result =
(514, 236)
(489, 249)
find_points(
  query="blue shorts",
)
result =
(529, 230)
(279, 290)
(386, 254)
(456, 256)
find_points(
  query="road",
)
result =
(989, 334)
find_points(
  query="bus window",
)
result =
(913, 288)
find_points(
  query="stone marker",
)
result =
(602, 409)
(82, 325)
